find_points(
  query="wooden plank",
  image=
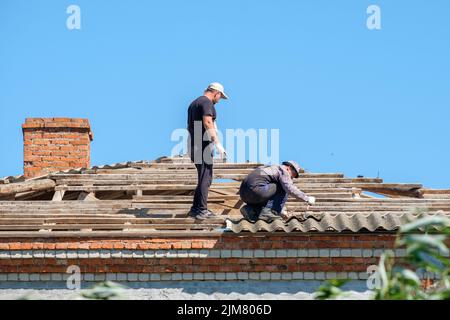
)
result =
(109, 220)
(192, 175)
(59, 195)
(216, 165)
(30, 195)
(87, 196)
(110, 234)
(149, 199)
(33, 185)
(175, 187)
(140, 208)
(69, 202)
(18, 216)
(401, 191)
(142, 211)
(436, 193)
(98, 219)
(181, 204)
(398, 186)
(128, 203)
(111, 227)
(126, 187)
(131, 184)
(9, 197)
(78, 220)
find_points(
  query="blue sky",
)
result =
(345, 98)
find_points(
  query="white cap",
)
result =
(217, 86)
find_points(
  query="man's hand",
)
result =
(311, 200)
(221, 150)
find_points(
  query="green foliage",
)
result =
(331, 289)
(427, 252)
(424, 241)
(396, 283)
(105, 291)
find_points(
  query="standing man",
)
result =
(266, 189)
(202, 138)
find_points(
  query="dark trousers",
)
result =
(270, 195)
(204, 176)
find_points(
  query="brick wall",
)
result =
(54, 144)
(228, 257)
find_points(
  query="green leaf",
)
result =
(330, 289)
(410, 277)
(435, 221)
(104, 291)
(431, 261)
(425, 251)
(434, 241)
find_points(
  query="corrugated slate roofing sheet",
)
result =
(334, 222)
(119, 165)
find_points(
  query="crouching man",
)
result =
(266, 189)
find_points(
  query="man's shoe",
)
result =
(210, 213)
(249, 213)
(196, 214)
(269, 215)
(201, 215)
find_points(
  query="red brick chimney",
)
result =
(54, 144)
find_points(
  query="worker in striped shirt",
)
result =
(266, 189)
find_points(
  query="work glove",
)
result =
(284, 214)
(311, 200)
(220, 149)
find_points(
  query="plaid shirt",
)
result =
(280, 175)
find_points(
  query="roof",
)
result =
(119, 165)
(151, 198)
(330, 222)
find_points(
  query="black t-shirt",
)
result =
(200, 107)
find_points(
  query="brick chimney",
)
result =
(54, 144)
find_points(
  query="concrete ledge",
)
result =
(198, 276)
(205, 253)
